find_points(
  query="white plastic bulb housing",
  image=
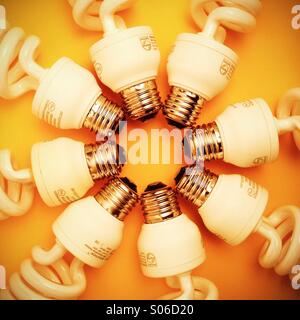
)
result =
(88, 231)
(180, 251)
(60, 171)
(234, 208)
(65, 95)
(249, 134)
(126, 58)
(201, 65)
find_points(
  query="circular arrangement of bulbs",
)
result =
(91, 228)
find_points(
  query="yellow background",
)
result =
(269, 65)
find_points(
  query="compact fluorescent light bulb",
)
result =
(200, 65)
(67, 95)
(232, 208)
(63, 170)
(179, 251)
(127, 61)
(91, 229)
(86, 14)
(16, 188)
(246, 133)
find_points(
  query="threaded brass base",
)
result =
(142, 101)
(204, 143)
(183, 108)
(159, 203)
(118, 197)
(104, 116)
(103, 160)
(194, 185)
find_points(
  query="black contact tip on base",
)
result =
(148, 117)
(175, 124)
(180, 174)
(155, 186)
(129, 184)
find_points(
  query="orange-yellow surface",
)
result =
(269, 65)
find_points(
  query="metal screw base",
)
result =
(194, 185)
(159, 203)
(183, 108)
(142, 101)
(118, 197)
